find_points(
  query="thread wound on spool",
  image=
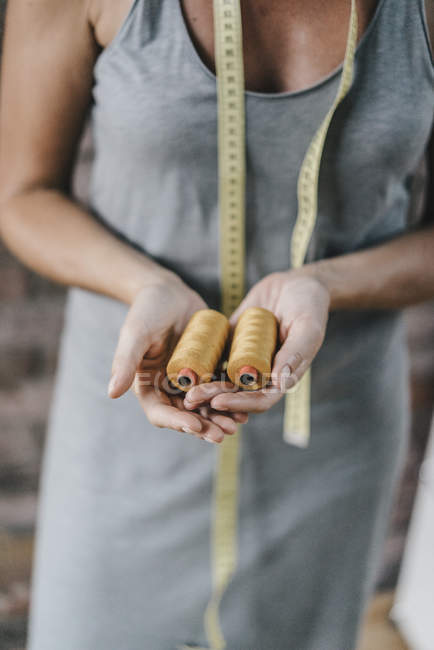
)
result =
(253, 345)
(199, 349)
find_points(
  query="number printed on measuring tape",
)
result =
(231, 150)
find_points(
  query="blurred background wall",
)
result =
(30, 324)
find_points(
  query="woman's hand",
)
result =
(301, 304)
(156, 319)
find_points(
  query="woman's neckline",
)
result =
(273, 95)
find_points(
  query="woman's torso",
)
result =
(155, 126)
(154, 175)
(115, 478)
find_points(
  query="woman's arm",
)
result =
(390, 276)
(393, 275)
(46, 80)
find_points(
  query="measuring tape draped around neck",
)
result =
(232, 173)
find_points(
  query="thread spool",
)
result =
(199, 349)
(252, 349)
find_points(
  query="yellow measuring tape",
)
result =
(231, 154)
(232, 176)
(296, 428)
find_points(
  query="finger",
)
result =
(248, 401)
(204, 411)
(203, 393)
(304, 339)
(169, 417)
(249, 301)
(211, 431)
(163, 415)
(133, 344)
(241, 418)
(226, 424)
(178, 401)
(223, 422)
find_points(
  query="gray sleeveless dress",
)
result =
(122, 559)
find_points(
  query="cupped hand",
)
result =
(155, 320)
(301, 305)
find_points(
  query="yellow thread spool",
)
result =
(252, 349)
(199, 349)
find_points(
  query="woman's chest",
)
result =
(287, 45)
(155, 121)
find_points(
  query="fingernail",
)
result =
(218, 407)
(208, 439)
(294, 361)
(188, 430)
(111, 384)
(286, 380)
(196, 427)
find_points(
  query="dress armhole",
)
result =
(106, 52)
(427, 16)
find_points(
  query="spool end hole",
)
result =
(248, 375)
(187, 378)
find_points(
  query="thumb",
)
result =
(248, 301)
(296, 354)
(133, 343)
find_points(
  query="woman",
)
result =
(122, 552)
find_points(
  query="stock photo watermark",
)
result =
(159, 381)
